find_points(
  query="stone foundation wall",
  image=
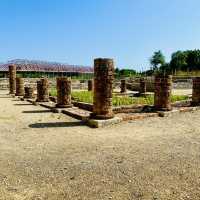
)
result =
(136, 86)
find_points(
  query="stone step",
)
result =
(77, 113)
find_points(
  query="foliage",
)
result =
(124, 73)
(157, 59)
(175, 98)
(165, 69)
(180, 61)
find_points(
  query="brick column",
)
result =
(12, 79)
(162, 96)
(123, 86)
(103, 83)
(43, 90)
(143, 86)
(64, 92)
(28, 93)
(196, 91)
(19, 87)
(90, 85)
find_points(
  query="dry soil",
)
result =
(51, 156)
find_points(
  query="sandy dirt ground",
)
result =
(45, 155)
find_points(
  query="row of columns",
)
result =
(102, 85)
(162, 96)
(142, 90)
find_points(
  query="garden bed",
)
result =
(87, 97)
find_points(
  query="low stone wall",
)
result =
(128, 109)
(76, 84)
(82, 85)
(119, 109)
(179, 84)
(4, 83)
(84, 106)
(136, 86)
(182, 84)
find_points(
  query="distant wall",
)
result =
(76, 84)
(178, 83)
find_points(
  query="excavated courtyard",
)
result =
(45, 155)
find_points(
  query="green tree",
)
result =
(127, 72)
(179, 60)
(185, 60)
(165, 68)
(193, 60)
(157, 60)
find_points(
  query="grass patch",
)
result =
(83, 96)
(87, 97)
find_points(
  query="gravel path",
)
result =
(45, 155)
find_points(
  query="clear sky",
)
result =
(77, 31)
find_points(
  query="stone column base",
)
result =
(64, 106)
(101, 117)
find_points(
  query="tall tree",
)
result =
(157, 60)
(193, 60)
(179, 60)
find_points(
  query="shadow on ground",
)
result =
(37, 111)
(56, 124)
(5, 97)
(23, 104)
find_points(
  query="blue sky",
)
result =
(77, 31)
